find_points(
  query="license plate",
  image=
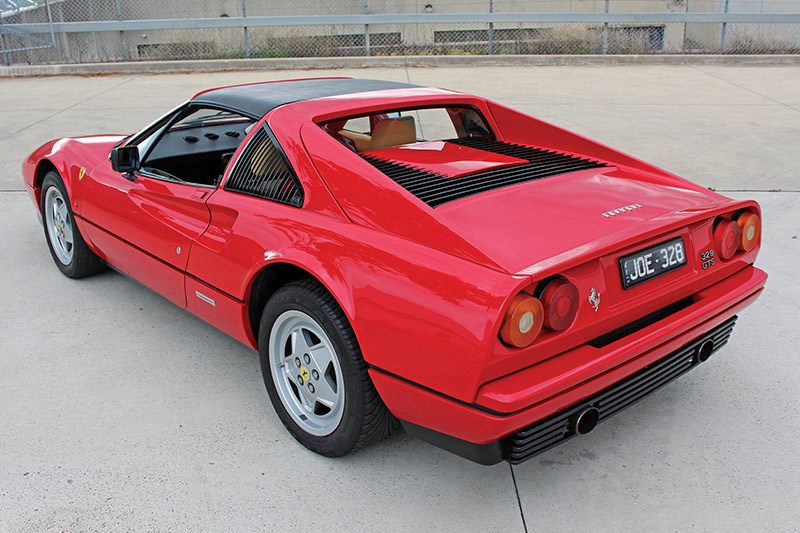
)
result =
(652, 262)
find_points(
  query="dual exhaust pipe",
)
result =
(585, 420)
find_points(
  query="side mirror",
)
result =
(124, 158)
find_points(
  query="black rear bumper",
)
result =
(543, 435)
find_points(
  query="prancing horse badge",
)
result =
(594, 299)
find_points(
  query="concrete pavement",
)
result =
(119, 411)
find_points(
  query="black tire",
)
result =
(81, 261)
(365, 419)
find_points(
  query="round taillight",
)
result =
(560, 301)
(523, 321)
(750, 226)
(727, 235)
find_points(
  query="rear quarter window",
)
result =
(263, 171)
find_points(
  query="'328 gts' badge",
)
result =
(594, 299)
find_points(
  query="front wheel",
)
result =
(70, 252)
(315, 375)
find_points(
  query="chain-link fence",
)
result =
(133, 30)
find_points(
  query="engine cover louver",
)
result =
(437, 189)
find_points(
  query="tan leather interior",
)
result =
(361, 140)
(393, 132)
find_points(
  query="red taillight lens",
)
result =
(560, 302)
(727, 236)
(750, 226)
(523, 321)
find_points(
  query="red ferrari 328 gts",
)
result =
(407, 255)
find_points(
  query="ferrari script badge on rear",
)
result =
(620, 210)
(594, 299)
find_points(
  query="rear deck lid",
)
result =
(548, 221)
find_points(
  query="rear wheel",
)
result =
(70, 252)
(315, 375)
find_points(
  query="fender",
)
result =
(68, 156)
(50, 152)
(409, 304)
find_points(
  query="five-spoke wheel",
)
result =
(58, 224)
(70, 252)
(306, 372)
(316, 377)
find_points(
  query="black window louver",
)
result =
(436, 189)
(263, 171)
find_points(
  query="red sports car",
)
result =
(407, 255)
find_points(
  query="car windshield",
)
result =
(206, 117)
(408, 126)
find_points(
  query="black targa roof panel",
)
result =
(258, 99)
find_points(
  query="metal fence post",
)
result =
(246, 36)
(491, 29)
(50, 19)
(6, 59)
(123, 43)
(367, 49)
(605, 32)
(685, 27)
(724, 30)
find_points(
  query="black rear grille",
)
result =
(437, 189)
(545, 434)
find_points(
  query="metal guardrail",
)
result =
(406, 18)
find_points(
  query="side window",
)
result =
(262, 170)
(195, 148)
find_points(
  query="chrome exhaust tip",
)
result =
(704, 351)
(585, 421)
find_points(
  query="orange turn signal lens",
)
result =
(750, 225)
(560, 301)
(727, 236)
(523, 321)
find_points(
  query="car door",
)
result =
(145, 222)
(145, 227)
